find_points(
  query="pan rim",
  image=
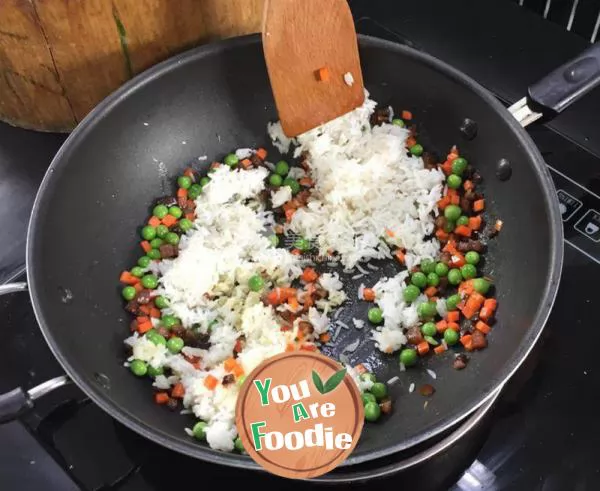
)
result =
(180, 444)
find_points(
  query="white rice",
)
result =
(348, 79)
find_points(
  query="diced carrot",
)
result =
(489, 306)
(127, 278)
(483, 327)
(161, 398)
(441, 235)
(453, 316)
(289, 213)
(360, 369)
(468, 185)
(246, 163)
(467, 342)
(296, 252)
(463, 231)
(308, 347)
(447, 167)
(451, 247)
(441, 326)
(145, 309)
(146, 245)
(479, 205)
(190, 216)
(369, 294)
(182, 193)
(261, 153)
(423, 348)
(210, 382)
(475, 222)
(466, 287)
(430, 291)
(138, 287)
(238, 371)
(400, 256)
(144, 327)
(155, 313)
(309, 275)
(443, 202)
(457, 260)
(178, 391)
(473, 304)
(293, 303)
(389, 233)
(438, 350)
(306, 181)
(411, 141)
(142, 318)
(454, 326)
(453, 195)
(406, 115)
(322, 74)
(290, 347)
(169, 220)
(154, 221)
(229, 364)
(325, 337)
(189, 172)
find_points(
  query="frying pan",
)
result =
(126, 153)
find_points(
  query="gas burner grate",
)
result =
(579, 16)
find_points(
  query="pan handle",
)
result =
(559, 89)
(19, 401)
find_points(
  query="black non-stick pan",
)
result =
(212, 99)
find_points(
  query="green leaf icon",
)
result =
(318, 382)
(334, 381)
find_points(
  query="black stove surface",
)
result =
(542, 434)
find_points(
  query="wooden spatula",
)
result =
(312, 58)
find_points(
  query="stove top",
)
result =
(541, 436)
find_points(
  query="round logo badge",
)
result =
(299, 414)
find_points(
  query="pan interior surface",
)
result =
(128, 152)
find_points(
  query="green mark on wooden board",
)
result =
(124, 43)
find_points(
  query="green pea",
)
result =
(408, 357)
(454, 276)
(185, 224)
(433, 279)
(419, 279)
(240, 381)
(468, 271)
(367, 397)
(411, 292)
(472, 257)
(137, 271)
(199, 430)
(459, 165)
(231, 160)
(449, 226)
(150, 281)
(239, 445)
(172, 238)
(375, 315)
(452, 301)
(372, 411)
(275, 180)
(138, 367)
(169, 321)
(128, 293)
(256, 283)
(144, 262)
(161, 302)
(451, 337)
(452, 212)
(282, 168)
(153, 254)
(431, 340)
(368, 377)
(441, 269)
(427, 266)
(184, 182)
(194, 191)
(155, 338)
(453, 181)
(398, 122)
(292, 183)
(302, 244)
(426, 310)
(481, 285)
(160, 211)
(162, 231)
(156, 243)
(379, 390)
(148, 232)
(462, 220)
(175, 211)
(416, 150)
(429, 329)
(155, 372)
(274, 240)
(204, 181)
(175, 344)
